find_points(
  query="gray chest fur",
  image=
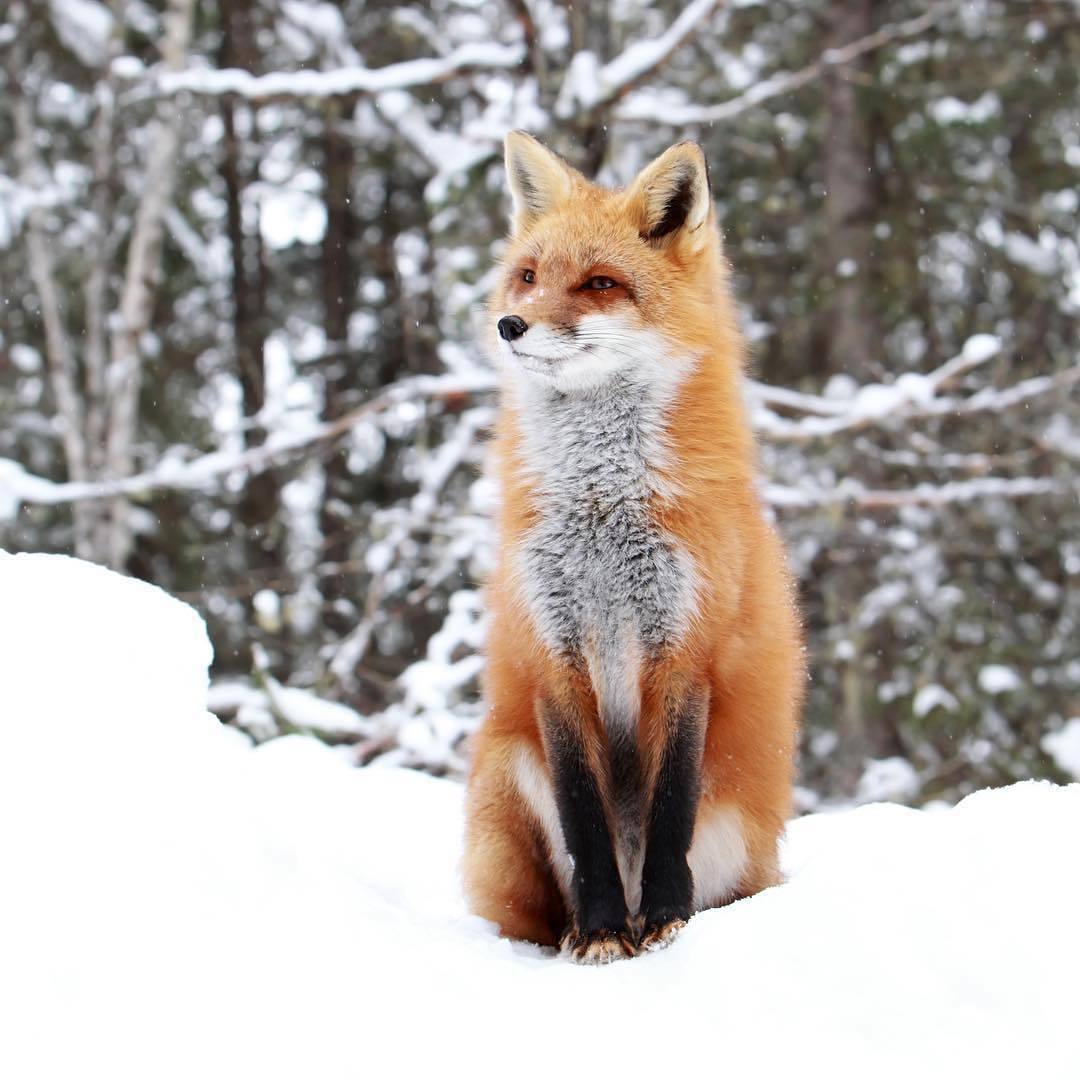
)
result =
(603, 581)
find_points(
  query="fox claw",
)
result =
(599, 947)
(660, 935)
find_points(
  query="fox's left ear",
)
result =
(672, 194)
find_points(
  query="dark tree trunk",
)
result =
(260, 501)
(339, 378)
(852, 342)
(590, 29)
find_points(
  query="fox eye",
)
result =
(599, 283)
(528, 276)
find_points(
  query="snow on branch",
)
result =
(661, 109)
(870, 403)
(201, 473)
(588, 88)
(911, 396)
(406, 523)
(448, 153)
(852, 493)
(342, 81)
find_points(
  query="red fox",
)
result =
(645, 665)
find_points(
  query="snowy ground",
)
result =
(177, 904)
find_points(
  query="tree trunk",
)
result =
(852, 345)
(141, 274)
(338, 290)
(60, 358)
(852, 342)
(259, 502)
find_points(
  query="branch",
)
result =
(141, 272)
(62, 365)
(870, 404)
(993, 399)
(911, 396)
(345, 81)
(658, 110)
(96, 285)
(593, 90)
(879, 404)
(423, 507)
(789, 498)
(537, 61)
(639, 60)
(202, 472)
(448, 153)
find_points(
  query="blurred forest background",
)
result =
(244, 250)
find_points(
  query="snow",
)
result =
(345, 80)
(981, 347)
(998, 679)
(260, 710)
(83, 26)
(289, 217)
(932, 697)
(887, 779)
(640, 56)
(951, 110)
(586, 83)
(1063, 746)
(178, 903)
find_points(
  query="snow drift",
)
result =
(176, 903)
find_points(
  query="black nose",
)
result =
(511, 327)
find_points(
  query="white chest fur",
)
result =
(603, 581)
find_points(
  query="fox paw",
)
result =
(599, 947)
(660, 935)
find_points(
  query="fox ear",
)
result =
(672, 193)
(539, 180)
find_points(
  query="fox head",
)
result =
(598, 282)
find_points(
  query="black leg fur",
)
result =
(667, 887)
(599, 932)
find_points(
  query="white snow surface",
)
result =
(176, 903)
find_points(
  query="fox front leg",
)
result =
(599, 930)
(667, 885)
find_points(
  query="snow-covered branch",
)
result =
(589, 87)
(418, 516)
(202, 473)
(342, 81)
(650, 107)
(448, 153)
(869, 404)
(851, 493)
(912, 396)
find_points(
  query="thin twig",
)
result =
(671, 113)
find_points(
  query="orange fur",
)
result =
(744, 643)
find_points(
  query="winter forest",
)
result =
(244, 254)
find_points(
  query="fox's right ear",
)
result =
(539, 180)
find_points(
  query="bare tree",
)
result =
(98, 401)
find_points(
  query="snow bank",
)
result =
(178, 904)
